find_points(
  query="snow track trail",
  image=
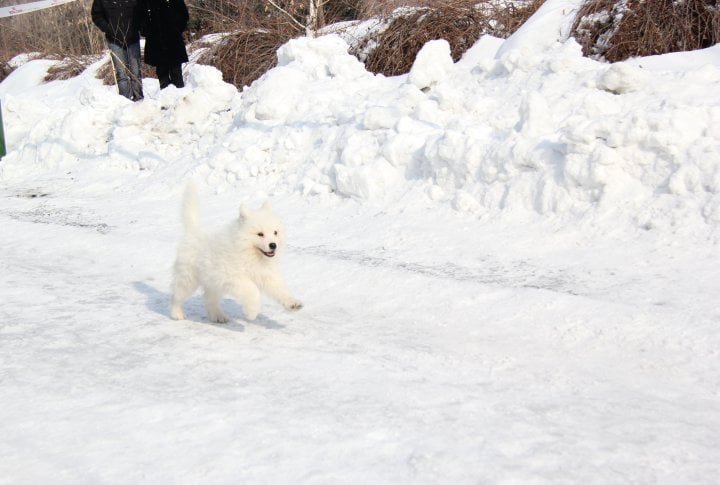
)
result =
(399, 369)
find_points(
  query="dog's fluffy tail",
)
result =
(191, 210)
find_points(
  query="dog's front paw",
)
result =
(293, 305)
(219, 318)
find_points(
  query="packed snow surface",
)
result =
(509, 266)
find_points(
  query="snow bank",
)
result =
(509, 131)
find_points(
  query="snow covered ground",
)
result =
(509, 267)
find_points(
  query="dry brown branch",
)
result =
(460, 22)
(245, 55)
(68, 68)
(615, 31)
(105, 73)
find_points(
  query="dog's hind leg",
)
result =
(184, 285)
(178, 298)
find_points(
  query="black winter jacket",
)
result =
(118, 19)
(163, 24)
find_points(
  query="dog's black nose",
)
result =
(272, 246)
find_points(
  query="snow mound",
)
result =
(510, 131)
(432, 64)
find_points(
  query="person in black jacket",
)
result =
(120, 21)
(163, 24)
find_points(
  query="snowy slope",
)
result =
(509, 267)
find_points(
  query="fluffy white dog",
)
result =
(239, 261)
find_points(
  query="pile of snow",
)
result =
(516, 129)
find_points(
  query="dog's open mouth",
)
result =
(269, 254)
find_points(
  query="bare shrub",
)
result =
(380, 8)
(615, 31)
(5, 70)
(256, 30)
(106, 74)
(309, 16)
(210, 16)
(247, 54)
(461, 23)
(339, 10)
(69, 67)
(63, 30)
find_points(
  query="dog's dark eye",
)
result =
(276, 233)
(261, 234)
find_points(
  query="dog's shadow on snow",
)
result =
(159, 302)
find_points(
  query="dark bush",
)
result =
(615, 31)
(245, 55)
(461, 23)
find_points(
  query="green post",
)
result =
(2, 135)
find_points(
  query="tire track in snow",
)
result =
(520, 274)
(60, 217)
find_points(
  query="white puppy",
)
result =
(239, 261)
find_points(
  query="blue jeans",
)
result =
(126, 62)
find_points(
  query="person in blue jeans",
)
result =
(120, 22)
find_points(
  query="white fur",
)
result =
(235, 261)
